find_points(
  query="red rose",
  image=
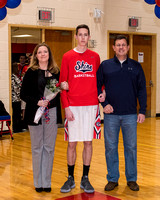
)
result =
(57, 85)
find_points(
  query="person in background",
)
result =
(16, 101)
(79, 67)
(22, 66)
(43, 135)
(29, 57)
(124, 83)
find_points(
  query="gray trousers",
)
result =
(43, 139)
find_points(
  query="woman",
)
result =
(16, 101)
(43, 135)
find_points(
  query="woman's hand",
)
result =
(43, 103)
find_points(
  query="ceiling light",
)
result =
(26, 35)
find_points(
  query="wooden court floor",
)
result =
(16, 179)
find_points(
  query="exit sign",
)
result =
(46, 14)
(133, 22)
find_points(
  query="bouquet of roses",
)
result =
(51, 90)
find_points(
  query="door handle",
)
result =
(150, 84)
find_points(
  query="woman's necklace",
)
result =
(48, 74)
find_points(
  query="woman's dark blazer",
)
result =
(32, 90)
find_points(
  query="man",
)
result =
(124, 82)
(22, 66)
(79, 67)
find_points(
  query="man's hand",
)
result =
(69, 114)
(64, 85)
(108, 109)
(141, 118)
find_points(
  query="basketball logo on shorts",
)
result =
(98, 124)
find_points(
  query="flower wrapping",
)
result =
(51, 90)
